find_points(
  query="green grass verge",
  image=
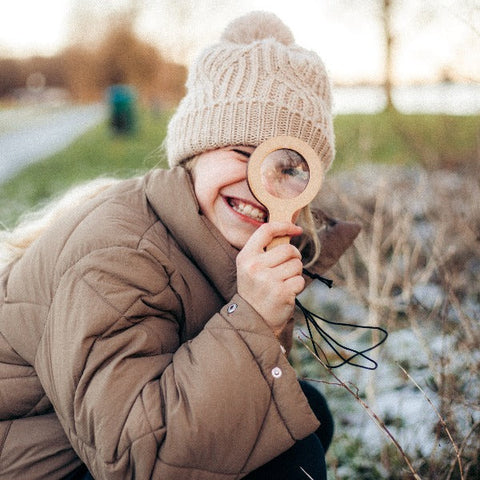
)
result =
(435, 141)
(97, 153)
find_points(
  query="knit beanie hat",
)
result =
(256, 83)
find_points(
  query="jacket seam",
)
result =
(141, 237)
(74, 229)
(93, 252)
(123, 312)
(33, 409)
(3, 438)
(26, 364)
(25, 302)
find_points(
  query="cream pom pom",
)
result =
(257, 26)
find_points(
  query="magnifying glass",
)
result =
(284, 174)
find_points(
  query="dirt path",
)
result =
(29, 134)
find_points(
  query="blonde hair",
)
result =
(13, 243)
(309, 244)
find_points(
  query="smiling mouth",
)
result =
(248, 210)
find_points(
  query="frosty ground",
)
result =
(414, 270)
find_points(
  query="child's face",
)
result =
(220, 181)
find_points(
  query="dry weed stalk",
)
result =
(353, 391)
(421, 230)
(442, 421)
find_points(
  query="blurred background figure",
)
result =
(122, 102)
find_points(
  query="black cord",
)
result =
(311, 321)
(326, 281)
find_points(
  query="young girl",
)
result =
(143, 334)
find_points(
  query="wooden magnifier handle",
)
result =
(277, 240)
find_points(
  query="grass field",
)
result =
(430, 140)
(433, 141)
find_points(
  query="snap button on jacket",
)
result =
(118, 348)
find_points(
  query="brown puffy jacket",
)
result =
(123, 343)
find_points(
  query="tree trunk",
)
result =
(387, 28)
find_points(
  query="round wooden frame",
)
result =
(283, 209)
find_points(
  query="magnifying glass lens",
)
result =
(285, 173)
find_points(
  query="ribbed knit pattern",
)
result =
(245, 93)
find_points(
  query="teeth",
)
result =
(249, 210)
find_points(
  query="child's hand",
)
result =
(271, 280)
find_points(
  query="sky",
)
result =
(432, 36)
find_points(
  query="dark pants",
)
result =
(81, 473)
(307, 454)
(306, 459)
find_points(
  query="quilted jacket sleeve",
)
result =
(135, 403)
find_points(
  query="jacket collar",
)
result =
(172, 197)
